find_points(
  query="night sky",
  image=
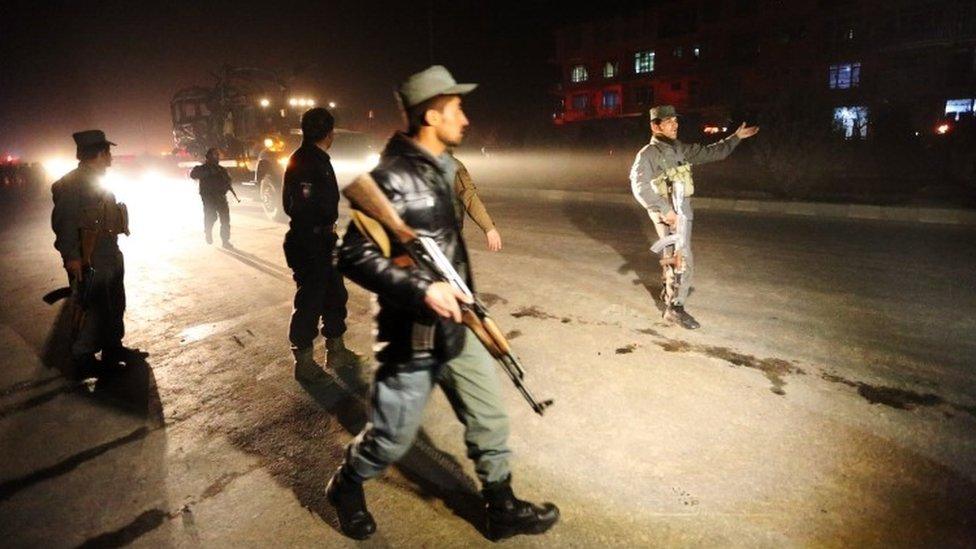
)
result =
(70, 66)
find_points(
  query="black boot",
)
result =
(350, 503)
(306, 369)
(85, 366)
(118, 356)
(509, 516)
(678, 315)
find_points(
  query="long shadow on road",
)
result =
(304, 445)
(258, 263)
(631, 242)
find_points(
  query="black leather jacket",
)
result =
(421, 189)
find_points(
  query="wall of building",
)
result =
(727, 60)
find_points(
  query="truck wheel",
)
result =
(269, 190)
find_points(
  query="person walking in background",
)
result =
(214, 186)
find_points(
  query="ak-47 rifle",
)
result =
(425, 254)
(230, 187)
(677, 238)
(83, 293)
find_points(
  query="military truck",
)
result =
(250, 115)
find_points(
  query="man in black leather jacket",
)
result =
(419, 322)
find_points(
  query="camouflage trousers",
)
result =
(675, 293)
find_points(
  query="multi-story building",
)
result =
(723, 60)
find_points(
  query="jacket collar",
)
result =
(661, 140)
(402, 145)
(315, 150)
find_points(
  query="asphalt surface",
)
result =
(829, 398)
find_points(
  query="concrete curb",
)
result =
(910, 214)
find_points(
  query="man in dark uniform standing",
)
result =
(214, 185)
(311, 199)
(87, 220)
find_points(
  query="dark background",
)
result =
(114, 65)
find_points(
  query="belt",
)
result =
(324, 229)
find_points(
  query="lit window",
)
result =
(844, 75)
(610, 70)
(852, 121)
(611, 99)
(579, 74)
(581, 102)
(957, 108)
(644, 62)
(696, 51)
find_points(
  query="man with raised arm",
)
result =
(661, 172)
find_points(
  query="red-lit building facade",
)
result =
(724, 60)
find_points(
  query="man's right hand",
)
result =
(73, 266)
(494, 240)
(443, 299)
(671, 219)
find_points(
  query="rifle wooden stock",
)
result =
(477, 326)
(672, 261)
(496, 335)
(367, 197)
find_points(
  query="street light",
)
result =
(943, 129)
(264, 102)
(332, 104)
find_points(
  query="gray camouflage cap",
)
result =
(430, 82)
(661, 112)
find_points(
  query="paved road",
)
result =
(828, 399)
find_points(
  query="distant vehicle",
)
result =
(352, 154)
(250, 116)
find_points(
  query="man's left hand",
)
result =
(494, 240)
(746, 132)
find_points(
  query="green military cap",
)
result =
(89, 138)
(661, 112)
(429, 83)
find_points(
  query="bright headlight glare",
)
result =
(57, 167)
